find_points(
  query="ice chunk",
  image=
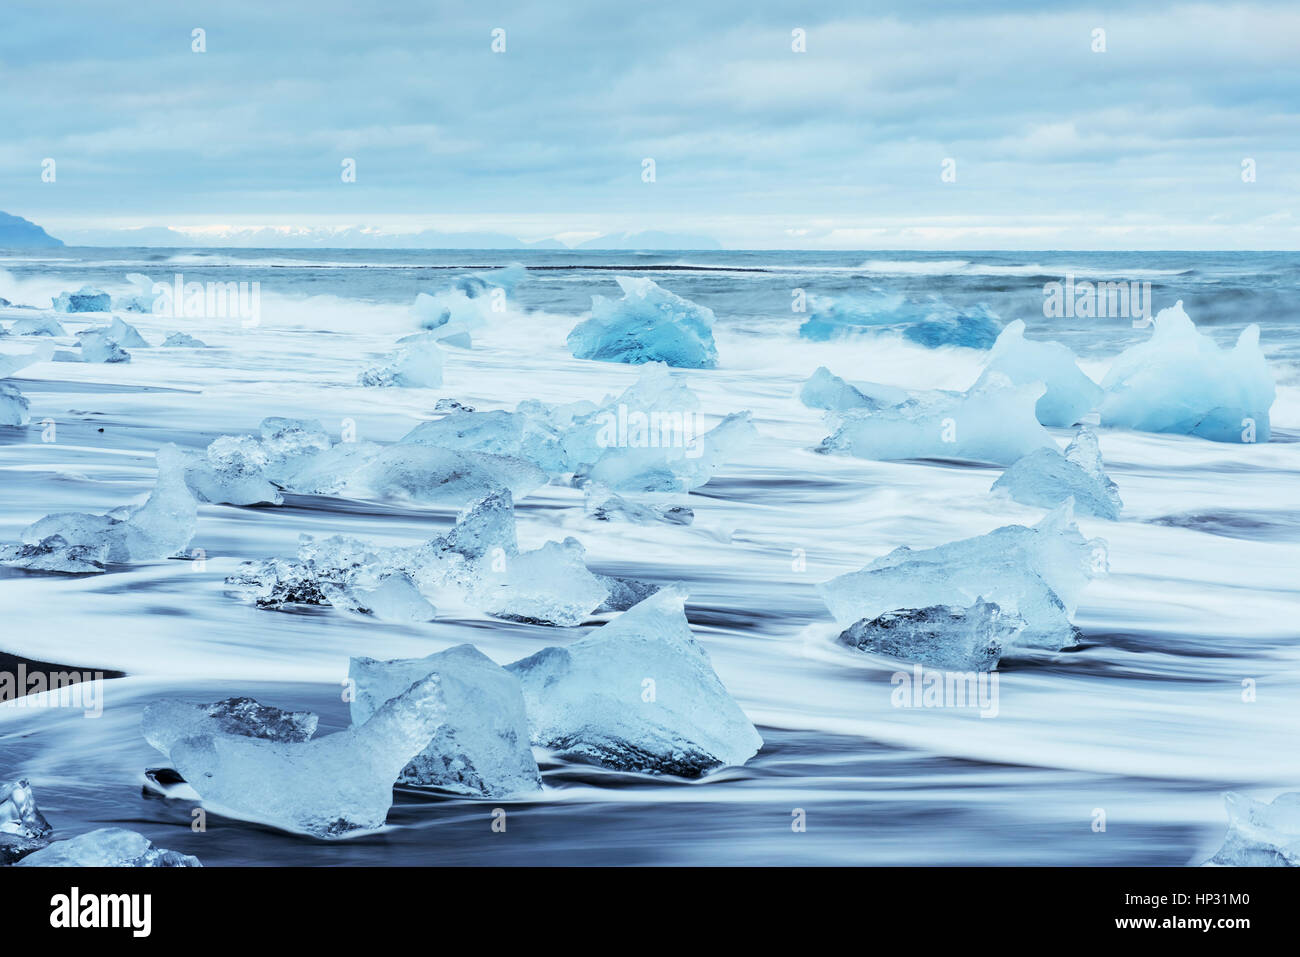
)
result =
(394, 598)
(327, 787)
(424, 473)
(53, 554)
(993, 422)
(453, 313)
(11, 364)
(1038, 573)
(1070, 394)
(123, 333)
(232, 472)
(158, 529)
(13, 406)
(481, 747)
(23, 829)
(648, 324)
(108, 847)
(415, 365)
(168, 721)
(932, 322)
(37, 326)
(639, 694)
(824, 390)
(550, 586)
(603, 505)
(959, 639)
(286, 440)
(1046, 478)
(85, 299)
(1181, 381)
(98, 347)
(183, 340)
(1259, 834)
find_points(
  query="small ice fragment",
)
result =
(481, 748)
(183, 340)
(1038, 573)
(85, 299)
(1046, 478)
(98, 347)
(327, 787)
(1070, 393)
(958, 639)
(232, 472)
(23, 829)
(393, 598)
(415, 365)
(648, 324)
(604, 505)
(13, 406)
(1180, 381)
(993, 422)
(53, 554)
(123, 333)
(37, 326)
(167, 721)
(824, 390)
(107, 847)
(549, 586)
(158, 529)
(639, 694)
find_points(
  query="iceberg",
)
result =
(992, 422)
(1259, 834)
(824, 390)
(85, 299)
(639, 694)
(327, 787)
(1181, 381)
(1046, 478)
(1070, 393)
(53, 554)
(37, 326)
(959, 639)
(23, 829)
(930, 322)
(1037, 573)
(182, 340)
(648, 324)
(158, 529)
(481, 746)
(107, 847)
(167, 721)
(416, 365)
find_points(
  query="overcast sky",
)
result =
(841, 146)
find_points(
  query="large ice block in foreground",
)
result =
(327, 787)
(993, 422)
(23, 829)
(168, 721)
(416, 365)
(108, 847)
(1070, 393)
(158, 529)
(85, 299)
(959, 639)
(639, 694)
(1046, 478)
(648, 324)
(1259, 834)
(482, 746)
(1181, 381)
(1038, 573)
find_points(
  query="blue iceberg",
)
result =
(1070, 394)
(648, 324)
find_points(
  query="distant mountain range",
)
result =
(362, 237)
(19, 233)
